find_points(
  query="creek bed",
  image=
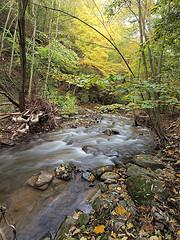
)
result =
(35, 212)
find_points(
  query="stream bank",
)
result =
(141, 203)
(112, 142)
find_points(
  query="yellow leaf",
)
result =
(120, 210)
(178, 232)
(91, 178)
(113, 234)
(99, 229)
(178, 175)
(130, 225)
(124, 238)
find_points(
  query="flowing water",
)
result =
(35, 212)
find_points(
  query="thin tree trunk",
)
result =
(150, 55)
(33, 54)
(162, 48)
(142, 40)
(13, 49)
(50, 53)
(5, 26)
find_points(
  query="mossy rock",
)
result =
(148, 161)
(64, 228)
(134, 170)
(83, 219)
(143, 188)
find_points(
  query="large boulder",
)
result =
(148, 161)
(134, 170)
(143, 188)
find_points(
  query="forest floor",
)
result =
(139, 199)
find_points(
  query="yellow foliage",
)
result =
(113, 234)
(99, 229)
(120, 210)
(98, 52)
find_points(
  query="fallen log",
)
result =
(5, 116)
(11, 114)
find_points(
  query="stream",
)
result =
(34, 212)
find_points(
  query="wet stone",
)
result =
(109, 176)
(112, 186)
(88, 176)
(64, 228)
(90, 149)
(110, 181)
(148, 161)
(100, 204)
(143, 188)
(99, 171)
(47, 236)
(44, 178)
(111, 131)
(134, 170)
(64, 171)
(103, 187)
(40, 181)
(32, 180)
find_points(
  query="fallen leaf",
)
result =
(113, 234)
(99, 229)
(147, 227)
(91, 178)
(120, 210)
(178, 232)
(76, 215)
(76, 231)
(83, 238)
(124, 238)
(129, 225)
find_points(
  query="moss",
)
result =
(140, 189)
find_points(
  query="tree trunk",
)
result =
(142, 40)
(33, 54)
(22, 4)
(13, 48)
(50, 52)
(5, 26)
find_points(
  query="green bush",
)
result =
(67, 103)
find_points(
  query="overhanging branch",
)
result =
(93, 28)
